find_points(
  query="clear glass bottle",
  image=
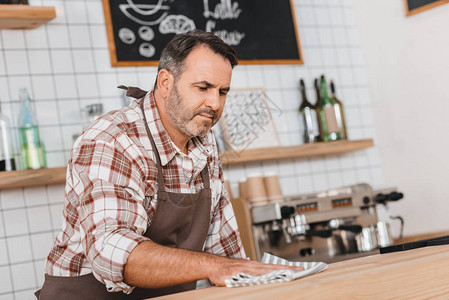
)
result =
(339, 112)
(309, 116)
(32, 149)
(7, 162)
(328, 119)
(90, 113)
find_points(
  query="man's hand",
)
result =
(154, 266)
(226, 268)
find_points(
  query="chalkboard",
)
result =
(415, 6)
(261, 31)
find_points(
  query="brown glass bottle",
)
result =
(309, 116)
(316, 85)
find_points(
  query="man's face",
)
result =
(197, 99)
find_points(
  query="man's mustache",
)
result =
(207, 111)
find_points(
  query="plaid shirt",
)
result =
(111, 194)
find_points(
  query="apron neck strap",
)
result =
(132, 91)
(160, 175)
(205, 177)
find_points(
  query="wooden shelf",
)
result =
(25, 16)
(27, 178)
(301, 151)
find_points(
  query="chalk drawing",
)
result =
(147, 50)
(158, 14)
(146, 33)
(148, 12)
(126, 8)
(126, 35)
(176, 24)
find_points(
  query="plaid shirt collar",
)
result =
(167, 149)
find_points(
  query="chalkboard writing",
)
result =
(261, 31)
(415, 6)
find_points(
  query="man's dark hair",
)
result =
(177, 50)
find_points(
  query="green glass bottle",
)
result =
(339, 112)
(326, 112)
(32, 149)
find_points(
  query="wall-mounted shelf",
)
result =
(25, 16)
(301, 151)
(27, 178)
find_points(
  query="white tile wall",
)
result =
(39, 62)
(37, 38)
(3, 252)
(79, 36)
(19, 249)
(65, 65)
(12, 199)
(77, 11)
(84, 61)
(41, 244)
(6, 282)
(42, 87)
(16, 222)
(16, 62)
(39, 219)
(66, 86)
(61, 61)
(58, 36)
(23, 276)
(13, 39)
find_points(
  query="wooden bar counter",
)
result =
(414, 274)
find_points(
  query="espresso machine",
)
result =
(330, 226)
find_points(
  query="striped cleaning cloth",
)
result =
(277, 276)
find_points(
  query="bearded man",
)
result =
(146, 212)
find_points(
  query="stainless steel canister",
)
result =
(384, 237)
(367, 239)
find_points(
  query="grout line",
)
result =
(8, 256)
(61, 132)
(31, 206)
(29, 233)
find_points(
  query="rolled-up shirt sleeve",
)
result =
(110, 188)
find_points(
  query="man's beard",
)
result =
(182, 117)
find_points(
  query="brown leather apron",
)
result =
(180, 221)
